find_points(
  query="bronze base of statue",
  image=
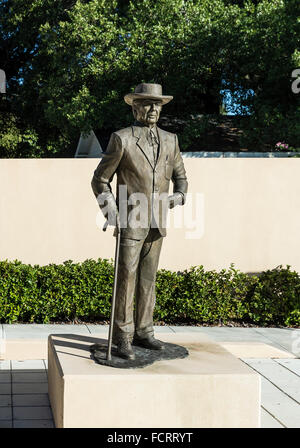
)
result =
(143, 356)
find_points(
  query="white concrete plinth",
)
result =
(210, 388)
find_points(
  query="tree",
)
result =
(263, 61)
(69, 64)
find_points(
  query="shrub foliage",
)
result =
(82, 292)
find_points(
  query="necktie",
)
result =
(154, 143)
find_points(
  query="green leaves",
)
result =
(70, 62)
(82, 292)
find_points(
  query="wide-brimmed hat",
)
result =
(147, 91)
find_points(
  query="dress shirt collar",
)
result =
(146, 129)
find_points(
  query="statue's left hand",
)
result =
(175, 199)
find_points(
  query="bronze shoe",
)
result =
(150, 342)
(124, 349)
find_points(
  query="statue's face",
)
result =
(147, 111)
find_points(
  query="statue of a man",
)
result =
(145, 158)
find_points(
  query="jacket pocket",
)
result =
(168, 170)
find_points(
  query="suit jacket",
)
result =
(128, 156)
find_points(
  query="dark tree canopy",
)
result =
(69, 63)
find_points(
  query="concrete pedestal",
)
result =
(210, 388)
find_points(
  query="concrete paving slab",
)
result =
(5, 413)
(268, 421)
(33, 424)
(276, 330)
(222, 334)
(32, 413)
(186, 328)
(5, 377)
(29, 377)
(26, 349)
(254, 349)
(100, 329)
(234, 334)
(5, 424)
(289, 339)
(285, 380)
(4, 365)
(163, 329)
(103, 329)
(5, 400)
(29, 364)
(285, 409)
(291, 364)
(29, 388)
(30, 400)
(31, 331)
(5, 388)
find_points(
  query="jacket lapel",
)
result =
(162, 146)
(144, 146)
(142, 143)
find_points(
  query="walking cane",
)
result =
(111, 323)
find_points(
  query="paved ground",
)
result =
(24, 399)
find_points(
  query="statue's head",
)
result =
(146, 111)
(147, 101)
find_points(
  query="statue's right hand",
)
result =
(109, 208)
(113, 217)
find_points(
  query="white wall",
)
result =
(251, 214)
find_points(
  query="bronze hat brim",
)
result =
(139, 96)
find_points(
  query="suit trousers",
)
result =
(138, 263)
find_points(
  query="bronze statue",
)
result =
(145, 158)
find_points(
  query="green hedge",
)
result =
(82, 292)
